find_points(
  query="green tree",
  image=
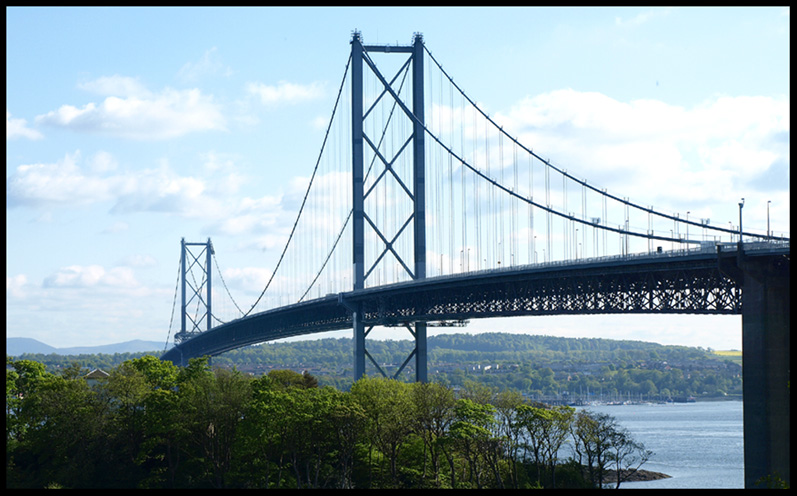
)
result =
(530, 419)
(313, 436)
(159, 374)
(63, 421)
(290, 378)
(555, 431)
(261, 450)
(507, 403)
(22, 380)
(212, 403)
(388, 408)
(626, 455)
(126, 390)
(472, 431)
(434, 414)
(162, 451)
(345, 419)
(593, 435)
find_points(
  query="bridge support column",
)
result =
(419, 190)
(420, 352)
(765, 355)
(359, 344)
(358, 251)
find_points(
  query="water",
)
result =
(700, 445)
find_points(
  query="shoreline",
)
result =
(639, 475)
(655, 402)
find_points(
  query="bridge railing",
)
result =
(766, 245)
(709, 247)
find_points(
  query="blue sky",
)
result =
(129, 128)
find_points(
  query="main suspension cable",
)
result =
(579, 181)
(174, 303)
(365, 178)
(215, 260)
(509, 191)
(307, 192)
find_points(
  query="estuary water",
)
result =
(700, 445)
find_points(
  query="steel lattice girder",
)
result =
(293, 320)
(690, 285)
(678, 290)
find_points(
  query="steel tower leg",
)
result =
(182, 279)
(419, 182)
(208, 272)
(358, 252)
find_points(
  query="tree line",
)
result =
(149, 424)
(540, 367)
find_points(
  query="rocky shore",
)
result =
(636, 476)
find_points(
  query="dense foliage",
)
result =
(543, 368)
(149, 424)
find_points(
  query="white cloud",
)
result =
(77, 276)
(157, 190)
(251, 215)
(15, 285)
(138, 114)
(116, 85)
(102, 162)
(285, 92)
(251, 279)
(72, 299)
(320, 123)
(214, 161)
(65, 184)
(212, 197)
(140, 261)
(639, 145)
(58, 184)
(18, 128)
(209, 64)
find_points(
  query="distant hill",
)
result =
(19, 346)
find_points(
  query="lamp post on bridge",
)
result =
(687, 226)
(768, 202)
(741, 205)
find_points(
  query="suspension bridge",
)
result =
(423, 211)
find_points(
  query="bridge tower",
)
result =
(194, 291)
(416, 194)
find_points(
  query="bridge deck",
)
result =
(682, 282)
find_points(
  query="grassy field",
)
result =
(728, 352)
(732, 355)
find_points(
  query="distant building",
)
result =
(96, 375)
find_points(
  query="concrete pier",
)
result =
(766, 368)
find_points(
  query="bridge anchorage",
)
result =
(437, 216)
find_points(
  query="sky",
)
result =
(128, 129)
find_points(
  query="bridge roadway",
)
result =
(694, 282)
